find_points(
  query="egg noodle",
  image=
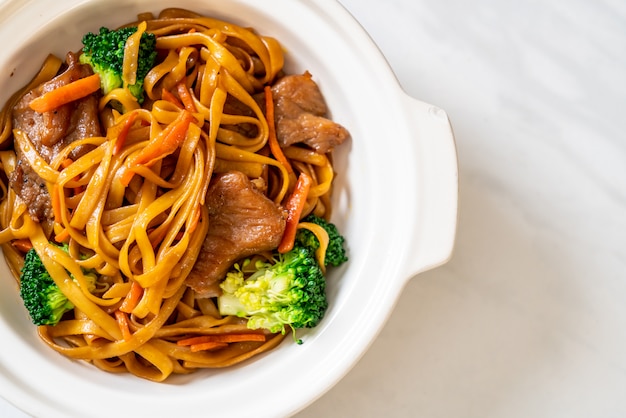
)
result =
(141, 226)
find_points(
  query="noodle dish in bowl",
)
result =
(190, 205)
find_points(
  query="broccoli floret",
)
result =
(291, 292)
(105, 53)
(336, 252)
(43, 299)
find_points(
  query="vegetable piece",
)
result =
(22, 244)
(273, 140)
(56, 203)
(162, 145)
(185, 96)
(104, 52)
(123, 134)
(167, 142)
(168, 96)
(214, 342)
(43, 299)
(291, 292)
(67, 93)
(295, 205)
(62, 236)
(207, 346)
(132, 298)
(122, 321)
(336, 252)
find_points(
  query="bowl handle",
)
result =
(433, 240)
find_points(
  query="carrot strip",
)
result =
(56, 203)
(169, 97)
(207, 346)
(122, 321)
(221, 338)
(162, 145)
(62, 236)
(167, 142)
(195, 220)
(192, 226)
(121, 137)
(65, 94)
(185, 96)
(22, 244)
(272, 139)
(295, 205)
(127, 177)
(132, 298)
(66, 163)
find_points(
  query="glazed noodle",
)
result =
(139, 218)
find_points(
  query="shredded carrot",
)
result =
(168, 96)
(122, 321)
(65, 94)
(295, 205)
(121, 137)
(167, 142)
(62, 236)
(127, 177)
(221, 338)
(185, 96)
(66, 163)
(22, 244)
(162, 145)
(273, 140)
(56, 203)
(213, 342)
(207, 346)
(192, 226)
(132, 298)
(195, 220)
(157, 235)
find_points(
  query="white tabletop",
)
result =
(529, 317)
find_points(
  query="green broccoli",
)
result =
(335, 253)
(105, 53)
(290, 292)
(43, 299)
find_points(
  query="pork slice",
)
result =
(50, 132)
(301, 115)
(242, 222)
(32, 190)
(49, 128)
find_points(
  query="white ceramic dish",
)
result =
(396, 202)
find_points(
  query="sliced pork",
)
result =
(300, 113)
(242, 222)
(50, 132)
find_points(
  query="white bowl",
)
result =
(396, 202)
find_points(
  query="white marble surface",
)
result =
(529, 317)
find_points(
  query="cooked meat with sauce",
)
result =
(300, 113)
(242, 222)
(50, 132)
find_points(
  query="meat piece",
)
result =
(32, 190)
(50, 132)
(242, 222)
(232, 106)
(300, 114)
